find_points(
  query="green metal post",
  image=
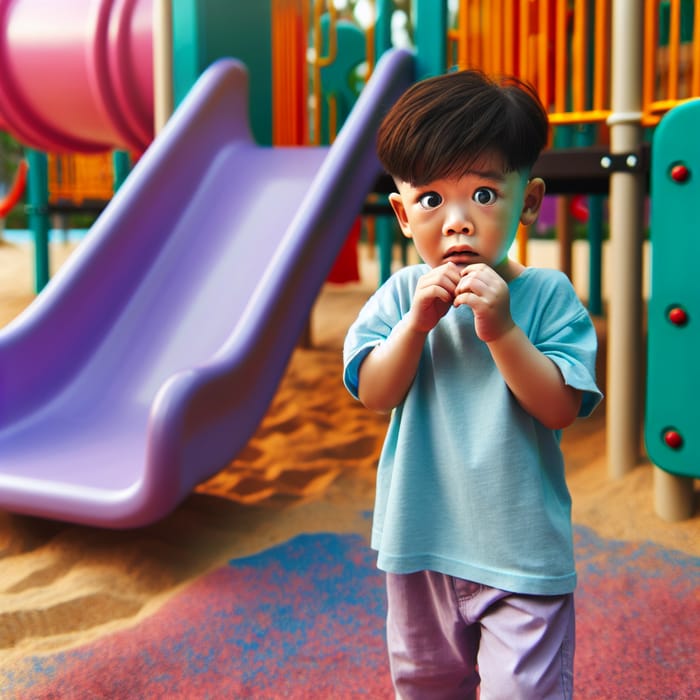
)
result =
(121, 165)
(430, 37)
(38, 211)
(382, 26)
(384, 225)
(595, 257)
(205, 30)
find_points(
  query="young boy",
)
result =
(482, 362)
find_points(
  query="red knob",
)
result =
(678, 316)
(673, 439)
(679, 173)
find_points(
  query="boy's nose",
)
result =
(457, 221)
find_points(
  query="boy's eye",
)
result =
(485, 195)
(430, 200)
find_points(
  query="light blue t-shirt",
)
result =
(469, 484)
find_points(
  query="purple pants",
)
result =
(446, 636)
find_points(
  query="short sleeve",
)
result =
(383, 310)
(562, 329)
(573, 349)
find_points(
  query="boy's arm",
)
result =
(533, 378)
(386, 374)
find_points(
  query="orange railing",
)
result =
(671, 64)
(78, 179)
(563, 48)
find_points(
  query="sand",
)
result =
(310, 467)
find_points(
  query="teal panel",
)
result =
(186, 47)
(205, 30)
(430, 37)
(673, 376)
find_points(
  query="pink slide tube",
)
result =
(77, 75)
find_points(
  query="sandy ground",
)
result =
(309, 468)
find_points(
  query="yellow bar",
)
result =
(579, 117)
(324, 61)
(660, 106)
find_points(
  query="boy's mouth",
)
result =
(460, 255)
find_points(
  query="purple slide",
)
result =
(148, 361)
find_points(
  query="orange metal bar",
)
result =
(580, 55)
(601, 53)
(508, 42)
(475, 37)
(495, 21)
(674, 44)
(522, 237)
(543, 59)
(650, 53)
(523, 38)
(560, 61)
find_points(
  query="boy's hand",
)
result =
(486, 292)
(433, 298)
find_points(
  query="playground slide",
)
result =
(150, 358)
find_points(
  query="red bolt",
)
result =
(673, 439)
(678, 316)
(679, 173)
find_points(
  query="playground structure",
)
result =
(606, 71)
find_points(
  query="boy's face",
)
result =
(470, 219)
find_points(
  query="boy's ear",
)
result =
(400, 211)
(532, 201)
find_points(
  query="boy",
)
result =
(481, 362)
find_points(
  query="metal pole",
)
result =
(38, 210)
(163, 101)
(625, 343)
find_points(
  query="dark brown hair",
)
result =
(441, 126)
